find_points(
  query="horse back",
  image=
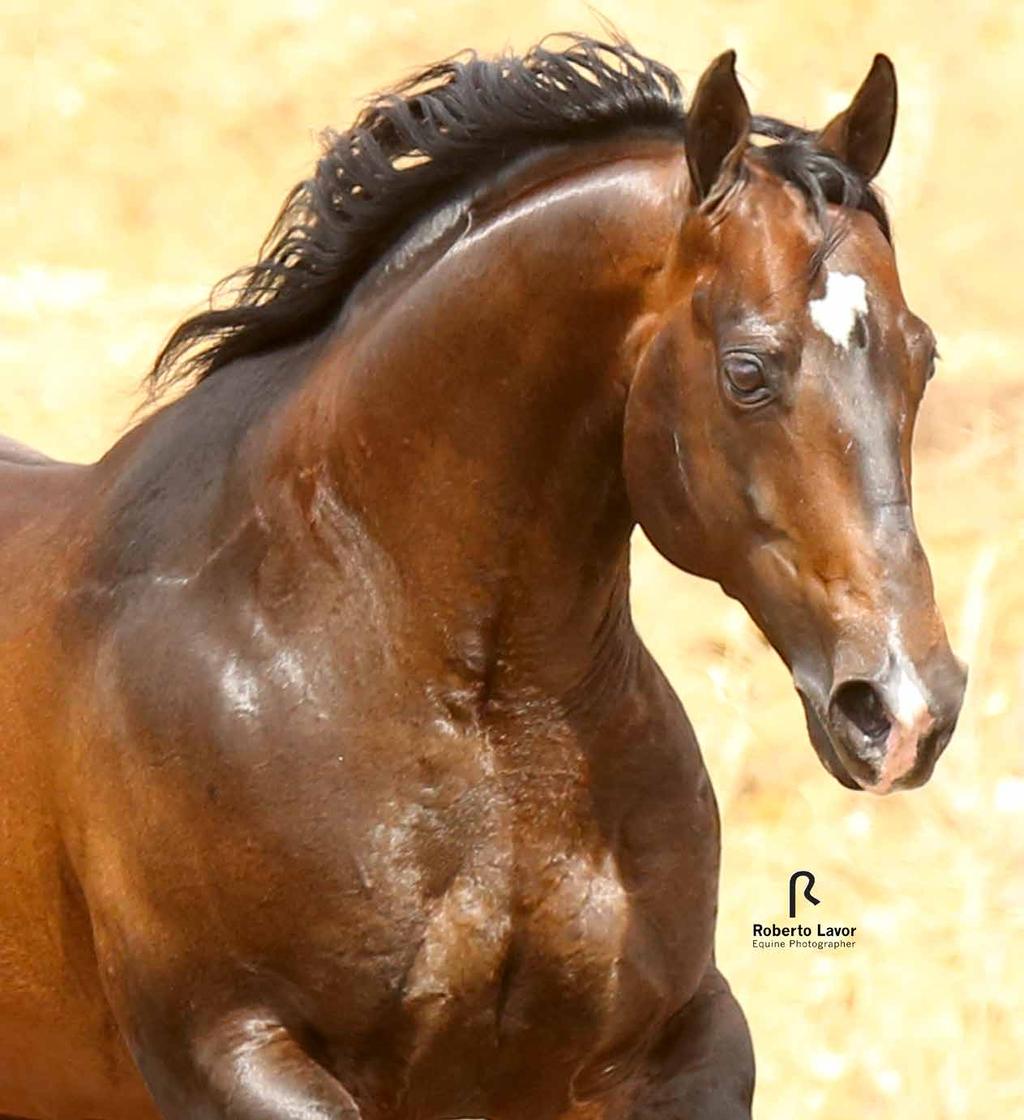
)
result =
(11, 451)
(33, 487)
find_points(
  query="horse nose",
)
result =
(891, 729)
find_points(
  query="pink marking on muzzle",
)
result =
(901, 752)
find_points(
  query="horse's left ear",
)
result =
(717, 129)
(861, 135)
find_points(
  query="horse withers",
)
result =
(336, 780)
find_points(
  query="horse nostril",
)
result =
(861, 704)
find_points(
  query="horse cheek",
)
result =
(659, 468)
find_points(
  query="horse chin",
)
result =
(824, 748)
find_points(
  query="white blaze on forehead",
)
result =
(835, 314)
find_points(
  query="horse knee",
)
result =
(252, 1068)
(704, 1068)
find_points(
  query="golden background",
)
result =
(145, 150)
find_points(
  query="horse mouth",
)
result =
(825, 748)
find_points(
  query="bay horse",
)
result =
(336, 780)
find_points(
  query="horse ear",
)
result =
(861, 135)
(717, 128)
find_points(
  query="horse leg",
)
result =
(704, 1067)
(251, 1070)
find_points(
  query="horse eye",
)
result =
(745, 378)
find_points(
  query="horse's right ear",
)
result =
(717, 129)
(862, 134)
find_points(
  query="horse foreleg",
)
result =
(252, 1069)
(704, 1067)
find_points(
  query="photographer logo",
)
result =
(793, 880)
(822, 936)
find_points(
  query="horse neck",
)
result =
(471, 422)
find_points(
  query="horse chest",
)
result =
(539, 955)
(503, 929)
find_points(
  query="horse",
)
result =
(337, 782)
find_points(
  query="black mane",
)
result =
(415, 146)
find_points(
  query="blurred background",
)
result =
(145, 149)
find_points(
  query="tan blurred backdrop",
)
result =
(145, 148)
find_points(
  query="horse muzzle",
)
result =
(888, 730)
(884, 731)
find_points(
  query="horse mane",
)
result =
(415, 146)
